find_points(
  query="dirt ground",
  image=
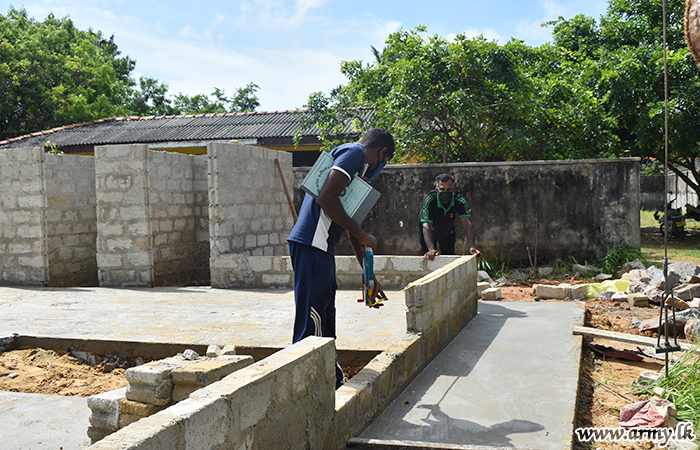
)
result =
(605, 385)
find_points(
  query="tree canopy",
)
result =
(596, 91)
(53, 74)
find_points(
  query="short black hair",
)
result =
(444, 178)
(378, 137)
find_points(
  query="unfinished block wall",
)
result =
(71, 226)
(393, 272)
(145, 217)
(442, 303)
(171, 200)
(200, 185)
(286, 401)
(23, 245)
(47, 219)
(248, 211)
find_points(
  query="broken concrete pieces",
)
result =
(602, 277)
(688, 291)
(482, 275)
(560, 292)
(581, 269)
(677, 304)
(491, 294)
(637, 264)
(692, 330)
(639, 300)
(154, 386)
(648, 376)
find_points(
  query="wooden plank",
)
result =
(623, 337)
(391, 444)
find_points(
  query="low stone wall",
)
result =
(240, 271)
(285, 401)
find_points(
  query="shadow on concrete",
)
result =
(442, 403)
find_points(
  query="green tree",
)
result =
(53, 74)
(151, 99)
(621, 62)
(244, 100)
(465, 100)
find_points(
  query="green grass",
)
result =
(652, 241)
(683, 387)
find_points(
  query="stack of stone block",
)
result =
(156, 385)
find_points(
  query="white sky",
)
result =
(290, 48)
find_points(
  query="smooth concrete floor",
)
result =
(191, 315)
(509, 379)
(43, 422)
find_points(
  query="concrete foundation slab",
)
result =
(509, 379)
(43, 422)
(190, 315)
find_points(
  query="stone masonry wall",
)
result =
(23, 245)
(248, 211)
(71, 226)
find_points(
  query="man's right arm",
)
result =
(429, 242)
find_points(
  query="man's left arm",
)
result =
(469, 232)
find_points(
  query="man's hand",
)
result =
(368, 240)
(378, 295)
(474, 251)
(432, 254)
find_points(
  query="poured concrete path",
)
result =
(509, 379)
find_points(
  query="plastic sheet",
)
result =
(607, 285)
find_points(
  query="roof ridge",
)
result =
(155, 117)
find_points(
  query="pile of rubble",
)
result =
(635, 284)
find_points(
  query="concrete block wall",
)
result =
(597, 206)
(146, 218)
(200, 185)
(240, 271)
(71, 225)
(172, 217)
(23, 243)
(123, 229)
(285, 401)
(248, 211)
(442, 303)
(47, 219)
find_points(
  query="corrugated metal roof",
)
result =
(147, 130)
